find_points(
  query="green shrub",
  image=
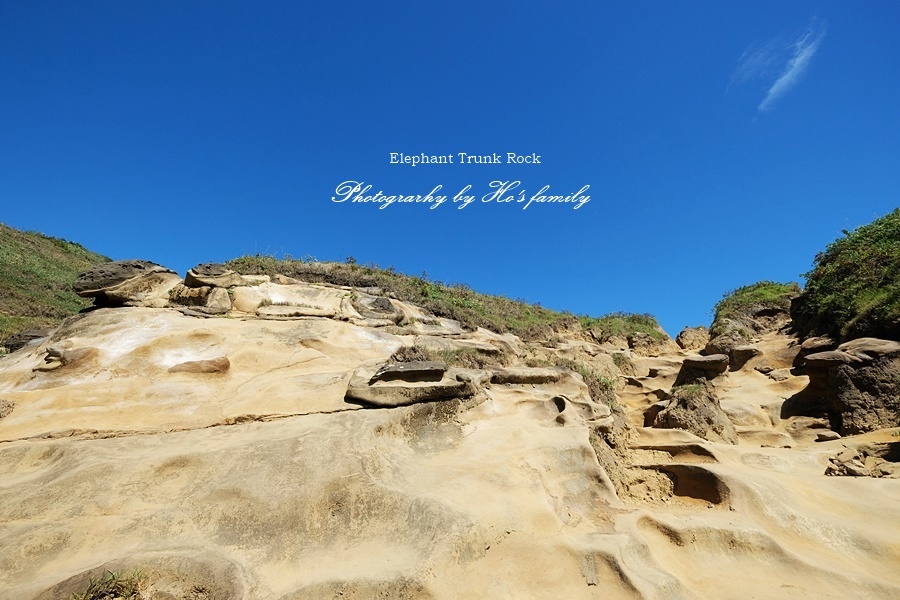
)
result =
(853, 289)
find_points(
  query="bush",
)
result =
(853, 289)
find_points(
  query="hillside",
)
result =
(853, 289)
(36, 275)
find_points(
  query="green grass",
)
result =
(453, 301)
(751, 298)
(36, 276)
(116, 586)
(689, 391)
(853, 289)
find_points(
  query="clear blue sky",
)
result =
(723, 142)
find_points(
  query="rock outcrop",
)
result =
(127, 283)
(857, 385)
(695, 409)
(697, 368)
(355, 445)
(693, 338)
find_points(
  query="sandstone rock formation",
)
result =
(693, 338)
(857, 385)
(127, 283)
(695, 409)
(262, 456)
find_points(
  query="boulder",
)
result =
(693, 338)
(127, 283)
(644, 344)
(696, 368)
(406, 387)
(213, 365)
(695, 408)
(212, 275)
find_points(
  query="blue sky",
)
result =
(722, 142)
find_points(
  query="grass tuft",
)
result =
(116, 586)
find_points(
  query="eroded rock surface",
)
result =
(280, 458)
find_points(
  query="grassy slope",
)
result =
(853, 289)
(36, 275)
(455, 301)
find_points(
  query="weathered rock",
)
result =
(218, 300)
(25, 338)
(827, 436)
(831, 358)
(183, 295)
(733, 336)
(653, 411)
(693, 338)
(695, 408)
(813, 345)
(61, 355)
(740, 355)
(398, 392)
(869, 348)
(6, 407)
(644, 344)
(878, 459)
(695, 368)
(213, 365)
(857, 385)
(246, 299)
(817, 344)
(127, 283)
(212, 275)
(524, 375)
(377, 308)
(779, 374)
(417, 370)
(275, 311)
(746, 414)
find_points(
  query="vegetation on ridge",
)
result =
(453, 301)
(36, 276)
(751, 299)
(853, 289)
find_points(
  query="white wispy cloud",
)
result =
(779, 62)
